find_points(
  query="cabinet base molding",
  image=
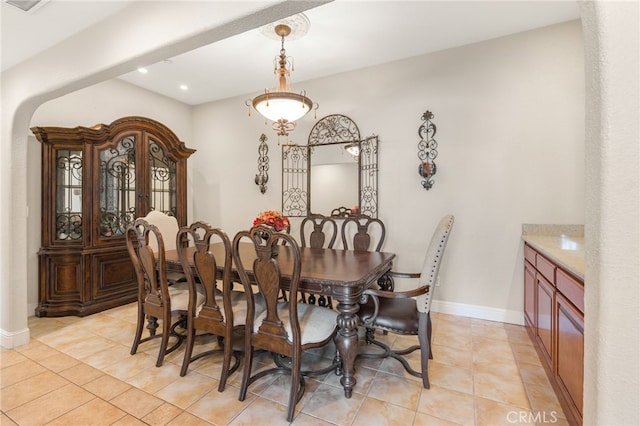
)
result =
(83, 309)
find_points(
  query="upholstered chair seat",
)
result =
(399, 316)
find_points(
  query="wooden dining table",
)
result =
(341, 274)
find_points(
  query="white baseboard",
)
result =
(479, 312)
(11, 339)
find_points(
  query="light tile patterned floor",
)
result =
(78, 371)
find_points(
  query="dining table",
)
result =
(340, 274)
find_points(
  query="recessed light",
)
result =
(143, 70)
(28, 6)
(184, 87)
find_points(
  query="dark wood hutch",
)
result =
(95, 181)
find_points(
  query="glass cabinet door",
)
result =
(117, 187)
(68, 225)
(162, 181)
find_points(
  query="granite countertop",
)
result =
(562, 244)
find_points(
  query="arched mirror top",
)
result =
(335, 128)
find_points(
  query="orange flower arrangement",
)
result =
(272, 218)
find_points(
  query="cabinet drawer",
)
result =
(571, 288)
(546, 268)
(530, 254)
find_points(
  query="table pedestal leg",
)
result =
(347, 345)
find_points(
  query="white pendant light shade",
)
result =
(282, 105)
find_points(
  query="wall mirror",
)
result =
(335, 172)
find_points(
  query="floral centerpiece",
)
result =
(272, 218)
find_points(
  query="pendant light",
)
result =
(282, 105)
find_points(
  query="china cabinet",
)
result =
(95, 181)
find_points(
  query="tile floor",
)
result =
(78, 371)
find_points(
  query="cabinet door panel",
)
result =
(113, 275)
(117, 191)
(544, 316)
(162, 180)
(61, 284)
(529, 294)
(570, 350)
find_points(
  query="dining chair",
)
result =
(213, 307)
(286, 329)
(362, 232)
(168, 227)
(321, 231)
(407, 312)
(157, 300)
(317, 231)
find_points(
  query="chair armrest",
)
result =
(403, 274)
(376, 294)
(397, 294)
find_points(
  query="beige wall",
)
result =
(510, 119)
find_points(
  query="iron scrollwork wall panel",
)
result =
(369, 176)
(294, 180)
(263, 164)
(427, 150)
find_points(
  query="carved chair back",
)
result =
(211, 300)
(156, 300)
(362, 232)
(324, 231)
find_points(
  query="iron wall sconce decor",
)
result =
(263, 164)
(427, 150)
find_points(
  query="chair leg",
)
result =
(226, 363)
(188, 351)
(295, 386)
(164, 340)
(139, 326)
(429, 334)
(425, 348)
(246, 371)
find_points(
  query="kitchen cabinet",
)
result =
(554, 317)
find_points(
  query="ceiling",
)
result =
(343, 35)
